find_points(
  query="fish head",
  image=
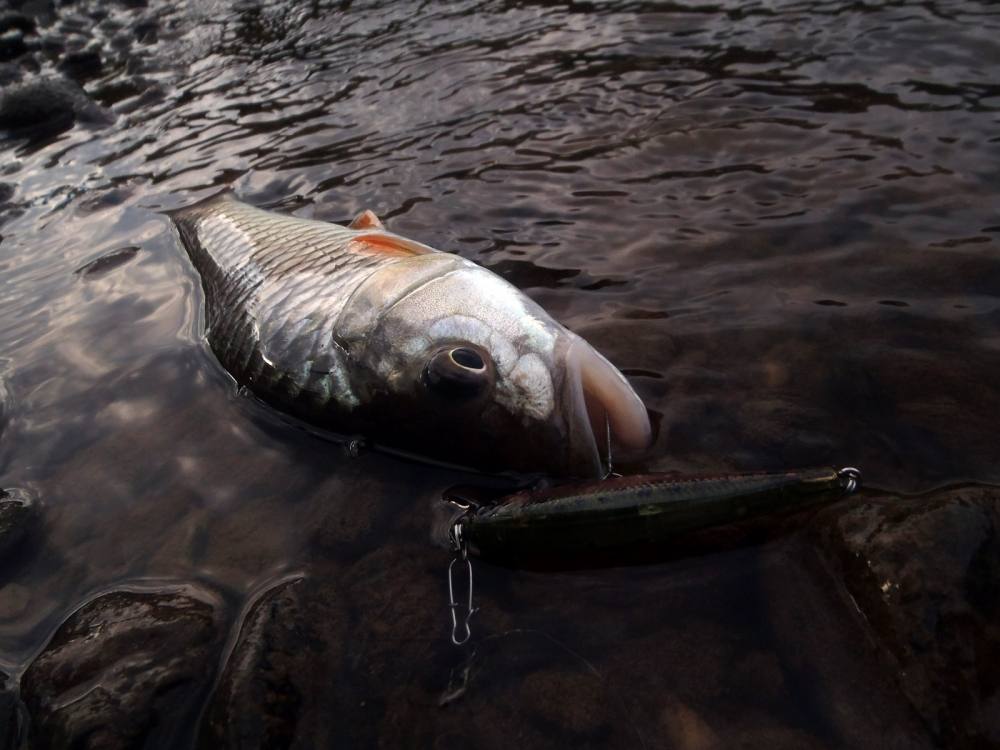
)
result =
(475, 373)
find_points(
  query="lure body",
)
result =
(367, 333)
(638, 512)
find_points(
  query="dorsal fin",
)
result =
(366, 220)
(389, 244)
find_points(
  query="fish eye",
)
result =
(470, 359)
(458, 370)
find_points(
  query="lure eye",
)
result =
(458, 370)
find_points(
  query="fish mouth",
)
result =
(604, 414)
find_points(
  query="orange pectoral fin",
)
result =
(366, 220)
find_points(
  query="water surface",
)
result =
(778, 218)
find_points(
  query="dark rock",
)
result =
(288, 658)
(74, 22)
(18, 518)
(10, 73)
(41, 11)
(359, 655)
(15, 20)
(121, 41)
(925, 574)
(74, 42)
(146, 29)
(83, 64)
(129, 669)
(6, 193)
(107, 262)
(110, 25)
(99, 200)
(366, 645)
(8, 714)
(153, 94)
(47, 106)
(52, 44)
(12, 45)
(122, 88)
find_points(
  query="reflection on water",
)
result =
(778, 219)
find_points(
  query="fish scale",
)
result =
(274, 288)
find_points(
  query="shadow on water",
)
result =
(779, 222)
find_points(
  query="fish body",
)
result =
(364, 332)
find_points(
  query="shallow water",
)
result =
(779, 219)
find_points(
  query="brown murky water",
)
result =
(779, 219)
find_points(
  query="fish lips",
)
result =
(603, 413)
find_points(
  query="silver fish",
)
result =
(364, 332)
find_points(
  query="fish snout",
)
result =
(600, 404)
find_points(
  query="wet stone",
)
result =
(572, 701)
(10, 73)
(41, 11)
(925, 573)
(129, 669)
(108, 25)
(121, 41)
(146, 29)
(18, 518)
(343, 657)
(8, 714)
(107, 262)
(82, 65)
(53, 43)
(46, 106)
(121, 89)
(12, 45)
(74, 22)
(283, 672)
(16, 20)
(74, 42)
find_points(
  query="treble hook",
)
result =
(460, 633)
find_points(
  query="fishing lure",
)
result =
(609, 520)
(649, 509)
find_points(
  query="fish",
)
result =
(374, 336)
(643, 517)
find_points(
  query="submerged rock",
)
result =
(4, 403)
(287, 660)
(925, 574)
(18, 517)
(82, 65)
(146, 29)
(10, 73)
(128, 669)
(12, 44)
(47, 106)
(359, 656)
(12, 19)
(108, 262)
(8, 714)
